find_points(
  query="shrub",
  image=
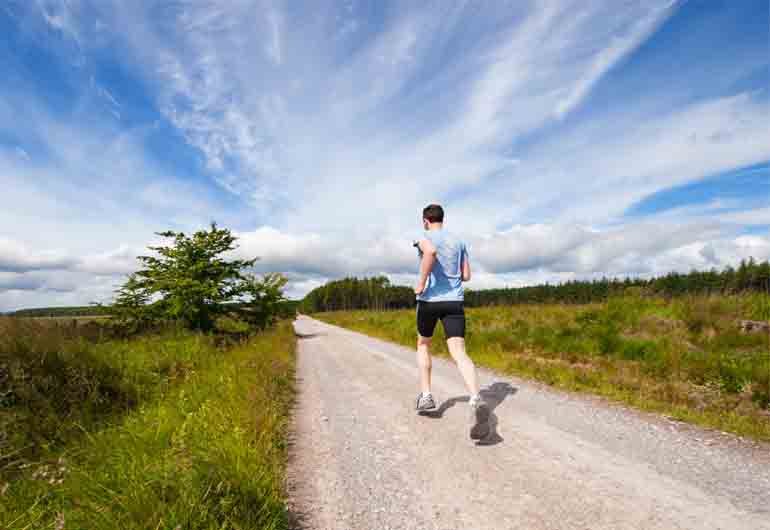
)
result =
(734, 373)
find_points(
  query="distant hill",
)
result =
(77, 311)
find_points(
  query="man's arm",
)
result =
(466, 272)
(426, 263)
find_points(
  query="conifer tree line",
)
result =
(377, 293)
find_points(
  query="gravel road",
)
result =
(362, 459)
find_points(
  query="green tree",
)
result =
(132, 304)
(192, 281)
(264, 299)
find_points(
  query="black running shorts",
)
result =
(451, 314)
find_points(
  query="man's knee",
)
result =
(423, 341)
(456, 347)
(456, 343)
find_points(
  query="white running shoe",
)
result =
(424, 402)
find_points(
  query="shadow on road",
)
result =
(494, 395)
(445, 405)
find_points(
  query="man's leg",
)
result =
(454, 327)
(464, 364)
(426, 323)
(424, 363)
(480, 412)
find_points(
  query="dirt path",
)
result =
(362, 459)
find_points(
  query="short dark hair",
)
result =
(434, 213)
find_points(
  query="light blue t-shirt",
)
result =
(445, 279)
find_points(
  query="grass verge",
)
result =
(201, 443)
(684, 358)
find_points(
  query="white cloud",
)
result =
(525, 254)
(117, 262)
(753, 216)
(20, 282)
(618, 164)
(325, 256)
(15, 257)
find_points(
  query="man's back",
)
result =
(445, 280)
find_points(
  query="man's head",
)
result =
(432, 214)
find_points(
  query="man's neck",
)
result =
(435, 226)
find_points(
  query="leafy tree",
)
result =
(190, 280)
(265, 300)
(131, 304)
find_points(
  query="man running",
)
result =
(444, 265)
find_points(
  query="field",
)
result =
(684, 357)
(166, 430)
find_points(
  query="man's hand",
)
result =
(419, 288)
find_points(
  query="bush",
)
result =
(732, 375)
(608, 340)
(55, 384)
(638, 350)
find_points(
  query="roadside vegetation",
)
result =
(686, 357)
(172, 413)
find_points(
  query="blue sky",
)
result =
(566, 139)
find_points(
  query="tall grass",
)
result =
(685, 357)
(169, 431)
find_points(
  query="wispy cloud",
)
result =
(281, 129)
(620, 46)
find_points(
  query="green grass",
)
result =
(685, 358)
(166, 431)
